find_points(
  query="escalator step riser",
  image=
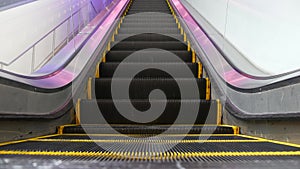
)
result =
(148, 56)
(141, 88)
(107, 70)
(146, 45)
(90, 110)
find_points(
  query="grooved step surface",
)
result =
(144, 146)
(154, 70)
(150, 56)
(139, 45)
(149, 37)
(170, 113)
(147, 129)
(141, 88)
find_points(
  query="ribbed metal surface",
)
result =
(108, 69)
(142, 147)
(167, 149)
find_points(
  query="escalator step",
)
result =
(163, 30)
(154, 20)
(142, 25)
(150, 16)
(148, 37)
(141, 88)
(148, 56)
(139, 45)
(90, 111)
(107, 70)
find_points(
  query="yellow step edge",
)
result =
(193, 56)
(188, 46)
(89, 88)
(219, 112)
(103, 57)
(60, 129)
(207, 89)
(200, 70)
(271, 141)
(97, 72)
(113, 38)
(108, 46)
(223, 125)
(78, 112)
(162, 135)
(116, 31)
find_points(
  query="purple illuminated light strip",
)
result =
(220, 65)
(72, 70)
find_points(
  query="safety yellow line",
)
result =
(161, 135)
(108, 44)
(113, 36)
(207, 89)
(271, 141)
(60, 129)
(251, 137)
(103, 57)
(193, 56)
(219, 112)
(188, 46)
(144, 141)
(150, 155)
(200, 68)
(77, 112)
(223, 125)
(97, 73)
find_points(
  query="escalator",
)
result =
(150, 39)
